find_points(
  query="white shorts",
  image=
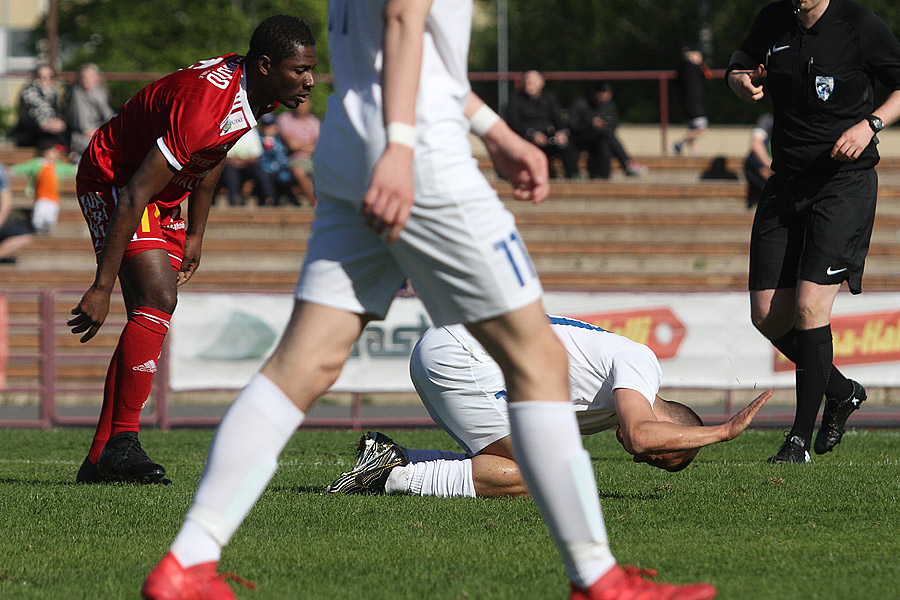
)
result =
(462, 388)
(465, 258)
(44, 215)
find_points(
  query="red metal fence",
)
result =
(49, 355)
(662, 78)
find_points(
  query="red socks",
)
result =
(130, 375)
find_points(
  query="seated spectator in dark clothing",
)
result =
(15, 231)
(38, 112)
(535, 114)
(594, 118)
(718, 170)
(758, 164)
(276, 161)
(87, 108)
(243, 163)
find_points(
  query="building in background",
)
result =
(18, 18)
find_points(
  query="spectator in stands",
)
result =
(758, 164)
(299, 129)
(38, 111)
(534, 113)
(276, 161)
(243, 163)
(87, 108)
(43, 172)
(692, 76)
(594, 118)
(718, 170)
(15, 232)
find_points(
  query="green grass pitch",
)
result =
(829, 530)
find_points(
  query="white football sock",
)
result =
(242, 459)
(560, 479)
(440, 478)
(417, 455)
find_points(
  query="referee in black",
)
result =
(813, 223)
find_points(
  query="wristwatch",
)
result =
(875, 123)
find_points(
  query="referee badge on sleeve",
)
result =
(824, 87)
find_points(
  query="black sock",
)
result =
(814, 355)
(839, 387)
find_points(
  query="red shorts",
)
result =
(161, 228)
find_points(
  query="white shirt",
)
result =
(599, 362)
(352, 137)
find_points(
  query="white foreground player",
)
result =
(401, 196)
(613, 382)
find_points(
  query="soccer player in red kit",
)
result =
(166, 145)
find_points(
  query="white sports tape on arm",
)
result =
(401, 133)
(483, 119)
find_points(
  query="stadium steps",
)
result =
(665, 231)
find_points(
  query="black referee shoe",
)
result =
(123, 459)
(792, 451)
(834, 417)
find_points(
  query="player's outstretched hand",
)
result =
(741, 82)
(90, 313)
(191, 259)
(520, 162)
(389, 200)
(741, 420)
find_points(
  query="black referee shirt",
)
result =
(820, 79)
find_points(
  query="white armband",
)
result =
(401, 133)
(483, 119)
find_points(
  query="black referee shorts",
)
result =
(813, 227)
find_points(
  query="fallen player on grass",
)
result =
(613, 382)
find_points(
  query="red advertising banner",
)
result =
(657, 328)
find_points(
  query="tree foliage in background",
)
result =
(165, 35)
(563, 35)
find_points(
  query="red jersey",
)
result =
(194, 116)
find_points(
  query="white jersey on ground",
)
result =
(464, 391)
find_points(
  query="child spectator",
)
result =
(243, 163)
(276, 160)
(43, 172)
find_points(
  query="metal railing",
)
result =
(661, 77)
(49, 356)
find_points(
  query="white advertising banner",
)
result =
(702, 339)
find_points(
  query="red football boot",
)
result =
(170, 581)
(629, 584)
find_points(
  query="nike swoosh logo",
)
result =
(779, 48)
(830, 271)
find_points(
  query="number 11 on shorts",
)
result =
(517, 255)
